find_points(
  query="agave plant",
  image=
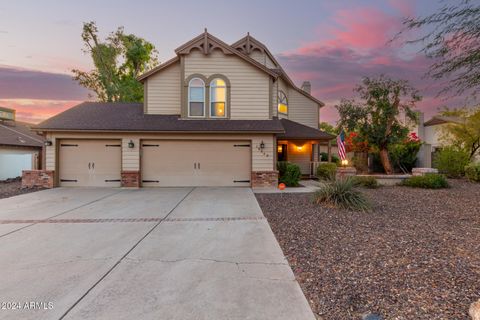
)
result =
(342, 193)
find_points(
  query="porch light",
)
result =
(344, 162)
(262, 145)
(47, 143)
(131, 145)
(299, 148)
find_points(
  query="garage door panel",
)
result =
(196, 163)
(90, 163)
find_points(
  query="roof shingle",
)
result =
(98, 116)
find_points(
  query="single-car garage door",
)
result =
(95, 163)
(195, 163)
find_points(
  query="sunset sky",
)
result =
(331, 43)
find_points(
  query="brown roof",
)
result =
(295, 130)
(16, 133)
(442, 120)
(99, 116)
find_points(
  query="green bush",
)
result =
(472, 172)
(342, 193)
(367, 181)
(324, 157)
(451, 161)
(292, 175)
(282, 168)
(427, 181)
(326, 171)
(404, 155)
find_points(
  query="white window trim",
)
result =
(204, 99)
(210, 102)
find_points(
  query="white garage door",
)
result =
(195, 163)
(95, 163)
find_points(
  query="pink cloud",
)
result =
(354, 44)
(35, 111)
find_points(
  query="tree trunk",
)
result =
(384, 158)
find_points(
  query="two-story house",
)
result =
(214, 115)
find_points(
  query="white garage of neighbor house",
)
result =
(20, 148)
(214, 115)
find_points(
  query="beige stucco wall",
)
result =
(432, 135)
(164, 91)
(262, 160)
(249, 85)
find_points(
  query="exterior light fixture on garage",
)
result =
(47, 143)
(131, 145)
(262, 145)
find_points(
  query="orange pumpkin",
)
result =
(282, 186)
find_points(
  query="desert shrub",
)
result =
(281, 167)
(451, 161)
(367, 181)
(292, 175)
(326, 171)
(404, 155)
(472, 172)
(427, 181)
(324, 157)
(342, 193)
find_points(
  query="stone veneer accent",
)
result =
(131, 179)
(38, 178)
(264, 179)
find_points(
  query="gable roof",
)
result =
(17, 133)
(436, 120)
(157, 68)
(249, 43)
(295, 130)
(207, 43)
(122, 117)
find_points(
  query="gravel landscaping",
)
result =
(13, 187)
(416, 255)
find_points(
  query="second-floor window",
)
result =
(218, 98)
(282, 103)
(196, 98)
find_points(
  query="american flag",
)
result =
(341, 145)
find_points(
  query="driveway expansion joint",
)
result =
(211, 260)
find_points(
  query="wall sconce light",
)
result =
(344, 162)
(299, 148)
(47, 143)
(262, 145)
(131, 145)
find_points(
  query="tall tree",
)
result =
(328, 128)
(464, 133)
(452, 40)
(376, 118)
(117, 60)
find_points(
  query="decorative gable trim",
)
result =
(206, 43)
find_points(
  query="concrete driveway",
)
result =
(162, 253)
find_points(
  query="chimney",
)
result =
(307, 87)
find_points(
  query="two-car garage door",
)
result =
(195, 163)
(164, 163)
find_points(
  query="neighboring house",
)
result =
(430, 133)
(214, 115)
(20, 148)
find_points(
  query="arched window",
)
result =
(218, 98)
(282, 103)
(196, 98)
